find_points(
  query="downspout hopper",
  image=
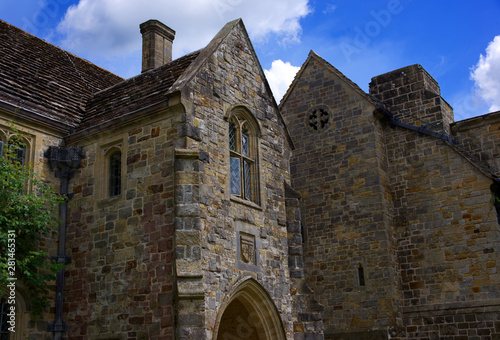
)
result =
(63, 161)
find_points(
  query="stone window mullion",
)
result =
(243, 157)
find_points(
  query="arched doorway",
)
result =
(249, 314)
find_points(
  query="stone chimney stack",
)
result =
(157, 40)
(414, 91)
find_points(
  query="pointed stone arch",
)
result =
(249, 313)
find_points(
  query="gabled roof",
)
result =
(141, 91)
(40, 77)
(150, 87)
(313, 55)
(50, 82)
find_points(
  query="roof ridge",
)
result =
(190, 72)
(343, 76)
(150, 71)
(335, 70)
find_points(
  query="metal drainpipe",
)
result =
(63, 161)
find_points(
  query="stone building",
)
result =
(401, 237)
(203, 210)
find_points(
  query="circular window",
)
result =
(318, 118)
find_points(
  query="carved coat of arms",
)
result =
(247, 248)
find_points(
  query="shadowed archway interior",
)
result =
(250, 314)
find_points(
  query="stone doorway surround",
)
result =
(248, 313)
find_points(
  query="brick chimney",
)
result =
(157, 40)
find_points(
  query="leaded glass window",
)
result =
(19, 150)
(243, 154)
(115, 173)
(247, 180)
(245, 147)
(232, 137)
(235, 176)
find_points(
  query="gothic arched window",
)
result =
(243, 149)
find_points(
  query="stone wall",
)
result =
(416, 95)
(231, 80)
(443, 214)
(478, 137)
(121, 282)
(307, 313)
(338, 167)
(401, 233)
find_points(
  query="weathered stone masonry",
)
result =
(414, 211)
(122, 277)
(231, 80)
(444, 217)
(339, 170)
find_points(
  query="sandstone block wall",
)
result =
(478, 137)
(413, 91)
(444, 217)
(231, 78)
(121, 281)
(338, 167)
(411, 215)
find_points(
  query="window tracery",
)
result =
(243, 148)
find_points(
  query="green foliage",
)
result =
(29, 208)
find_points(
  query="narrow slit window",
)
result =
(245, 147)
(115, 173)
(361, 275)
(21, 155)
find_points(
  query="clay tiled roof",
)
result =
(146, 89)
(43, 78)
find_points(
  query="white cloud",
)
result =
(280, 76)
(486, 75)
(107, 28)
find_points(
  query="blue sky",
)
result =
(453, 40)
